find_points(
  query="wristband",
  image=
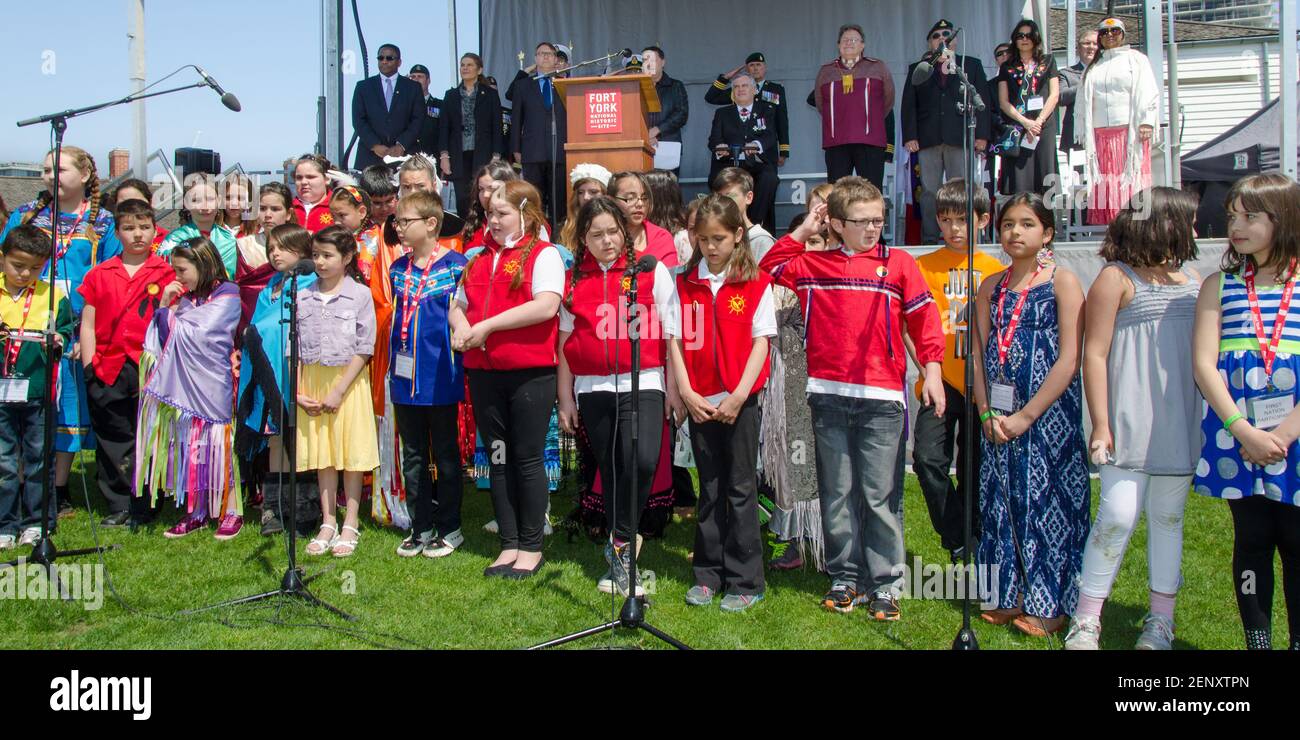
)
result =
(987, 415)
(1233, 419)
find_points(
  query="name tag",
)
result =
(1002, 397)
(404, 366)
(13, 390)
(1034, 104)
(1266, 412)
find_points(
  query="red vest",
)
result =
(716, 332)
(600, 343)
(319, 218)
(489, 293)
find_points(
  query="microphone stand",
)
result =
(292, 585)
(632, 615)
(970, 107)
(44, 552)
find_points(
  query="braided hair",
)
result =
(85, 163)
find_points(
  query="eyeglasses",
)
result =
(630, 199)
(941, 35)
(403, 223)
(387, 58)
(862, 223)
(1021, 35)
(545, 54)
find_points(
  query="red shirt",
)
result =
(124, 307)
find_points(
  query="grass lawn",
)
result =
(448, 604)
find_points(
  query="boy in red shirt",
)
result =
(855, 300)
(121, 295)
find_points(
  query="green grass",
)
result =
(448, 604)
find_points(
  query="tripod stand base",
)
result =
(44, 553)
(631, 616)
(292, 585)
(965, 640)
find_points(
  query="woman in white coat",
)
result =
(1116, 117)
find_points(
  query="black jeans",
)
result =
(548, 178)
(608, 419)
(462, 178)
(867, 161)
(113, 417)
(728, 544)
(1260, 527)
(512, 410)
(425, 430)
(932, 457)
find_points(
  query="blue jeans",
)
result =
(22, 439)
(859, 450)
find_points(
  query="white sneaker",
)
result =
(441, 547)
(8, 542)
(1084, 634)
(30, 536)
(1157, 633)
(491, 527)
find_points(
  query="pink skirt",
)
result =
(1111, 192)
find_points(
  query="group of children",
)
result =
(180, 366)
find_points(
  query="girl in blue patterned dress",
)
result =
(1034, 487)
(1246, 353)
(86, 237)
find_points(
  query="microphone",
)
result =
(304, 267)
(626, 53)
(645, 264)
(227, 99)
(925, 68)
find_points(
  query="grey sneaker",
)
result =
(1084, 634)
(1157, 633)
(444, 546)
(699, 596)
(739, 602)
(491, 527)
(8, 542)
(411, 546)
(620, 565)
(29, 536)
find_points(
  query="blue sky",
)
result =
(267, 52)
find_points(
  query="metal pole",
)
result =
(454, 45)
(1287, 58)
(1175, 125)
(1071, 32)
(1153, 44)
(333, 81)
(135, 50)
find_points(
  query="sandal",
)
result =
(1000, 617)
(320, 545)
(350, 545)
(1036, 626)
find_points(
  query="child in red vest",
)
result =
(720, 363)
(596, 357)
(855, 300)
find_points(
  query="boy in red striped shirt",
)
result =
(855, 300)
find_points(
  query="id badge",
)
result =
(1002, 397)
(404, 366)
(1267, 411)
(13, 390)
(1034, 104)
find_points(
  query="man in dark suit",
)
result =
(744, 135)
(768, 92)
(387, 112)
(538, 131)
(427, 142)
(934, 127)
(1071, 77)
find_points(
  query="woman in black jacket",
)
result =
(470, 132)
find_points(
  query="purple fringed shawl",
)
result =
(202, 383)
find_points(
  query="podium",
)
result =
(606, 118)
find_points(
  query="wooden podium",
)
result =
(606, 118)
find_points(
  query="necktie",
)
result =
(388, 93)
(546, 92)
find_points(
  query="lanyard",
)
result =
(1268, 346)
(411, 301)
(14, 346)
(65, 242)
(1005, 337)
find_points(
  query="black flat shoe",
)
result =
(116, 519)
(498, 570)
(519, 574)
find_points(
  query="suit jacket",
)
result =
(1071, 78)
(489, 138)
(674, 109)
(530, 122)
(376, 124)
(769, 92)
(930, 114)
(428, 139)
(730, 130)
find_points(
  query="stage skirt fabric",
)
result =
(346, 440)
(1109, 195)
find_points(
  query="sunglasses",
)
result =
(387, 58)
(1021, 35)
(1001, 52)
(1109, 31)
(941, 35)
